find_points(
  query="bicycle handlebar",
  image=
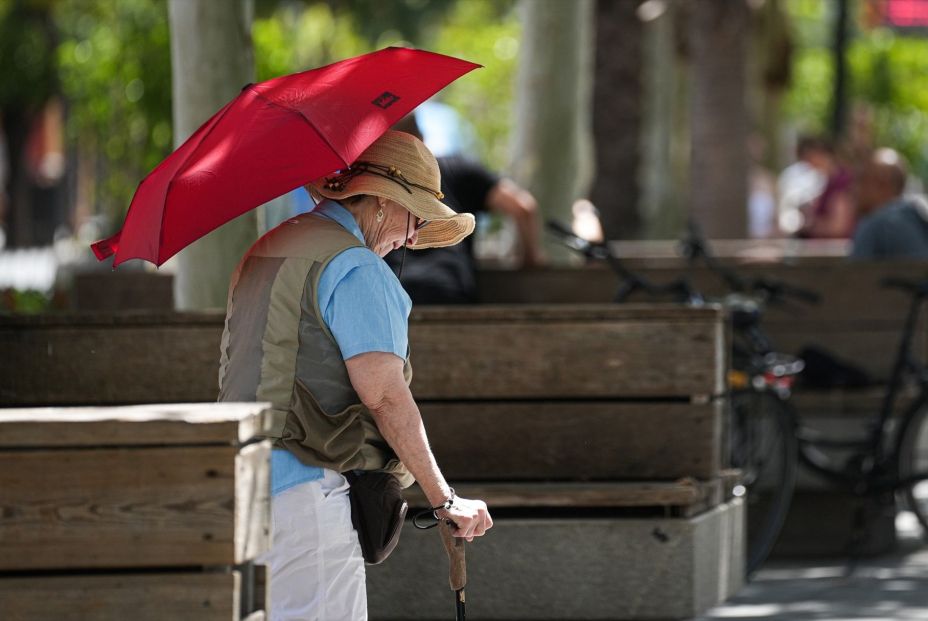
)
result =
(778, 289)
(632, 282)
(917, 288)
(695, 247)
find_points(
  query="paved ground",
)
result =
(892, 587)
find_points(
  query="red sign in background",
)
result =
(906, 13)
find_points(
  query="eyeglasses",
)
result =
(421, 223)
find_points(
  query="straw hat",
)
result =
(398, 166)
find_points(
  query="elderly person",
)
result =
(316, 324)
(893, 226)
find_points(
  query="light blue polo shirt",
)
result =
(365, 308)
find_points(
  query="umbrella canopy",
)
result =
(272, 138)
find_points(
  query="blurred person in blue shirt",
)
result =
(893, 225)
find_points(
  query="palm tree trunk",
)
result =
(719, 120)
(552, 151)
(617, 95)
(212, 59)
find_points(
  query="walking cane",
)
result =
(454, 546)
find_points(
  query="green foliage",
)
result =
(114, 63)
(296, 37)
(887, 71)
(487, 33)
(293, 36)
(25, 302)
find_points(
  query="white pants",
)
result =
(315, 563)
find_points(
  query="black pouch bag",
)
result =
(378, 511)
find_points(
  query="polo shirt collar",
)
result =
(333, 210)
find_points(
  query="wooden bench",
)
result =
(593, 431)
(858, 320)
(144, 512)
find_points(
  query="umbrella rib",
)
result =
(167, 191)
(305, 119)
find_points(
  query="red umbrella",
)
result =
(272, 138)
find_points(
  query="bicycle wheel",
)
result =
(913, 460)
(763, 446)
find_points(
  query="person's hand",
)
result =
(471, 518)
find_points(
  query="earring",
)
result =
(380, 215)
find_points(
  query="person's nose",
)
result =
(411, 240)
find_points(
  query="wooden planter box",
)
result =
(118, 510)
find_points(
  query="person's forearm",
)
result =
(529, 234)
(400, 423)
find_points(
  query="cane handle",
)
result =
(454, 546)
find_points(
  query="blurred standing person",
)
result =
(448, 275)
(892, 225)
(832, 215)
(801, 182)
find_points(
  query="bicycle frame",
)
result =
(877, 468)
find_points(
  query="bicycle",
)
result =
(891, 459)
(766, 439)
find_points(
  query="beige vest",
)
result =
(277, 348)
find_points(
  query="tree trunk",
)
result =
(212, 59)
(665, 112)
(719, 165)
(617, 94)
(552, 152)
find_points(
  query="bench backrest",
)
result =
(556, 392)
(858, 319)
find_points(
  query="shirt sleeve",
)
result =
(367, 309)
(467, 182)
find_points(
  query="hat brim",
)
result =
(445, 226)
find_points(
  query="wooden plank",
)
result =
(515, 352)
(117, 597)
(848, 289)
(575, 440)
(845, 404)
(111, 508)
(499, 360)
(771, 250)
(167, 424)
(113, 319)
(683, 493)
(113, 290)
(75, 365)
(556, 314)
(252, 501)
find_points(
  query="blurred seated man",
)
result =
(892, 225)
(448, 275)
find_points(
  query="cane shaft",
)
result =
(459, 604)
(454, 546)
